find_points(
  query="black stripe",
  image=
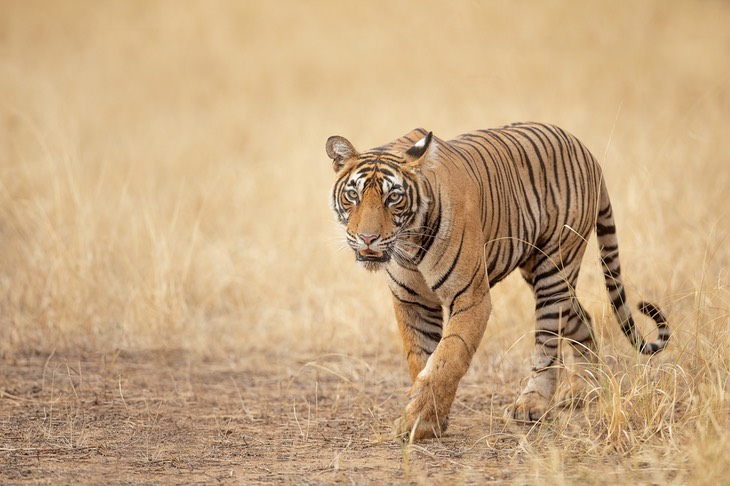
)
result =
(428, 240)
(423, 350)
(463, 309)
(417, 304)
(602, 230)
(549, 290)
(620, 299)
(433, 336)
(552, 300)
(605, 212)
(469, 348)
(551, 342)
(445, 276)
(551, 316)
(434, 319)
(607, 260)
(569, 330)
(401, 284)
(482, 276)
(458, 294)
(386, 172)
(551, 271)
(650, 310)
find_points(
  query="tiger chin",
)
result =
(371, 260)
(448, 220)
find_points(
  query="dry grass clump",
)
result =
(163, 185)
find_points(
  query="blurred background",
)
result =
(164, 184)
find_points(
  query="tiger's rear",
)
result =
(450, 219)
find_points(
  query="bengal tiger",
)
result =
(447, 220)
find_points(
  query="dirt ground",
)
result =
(163, 417)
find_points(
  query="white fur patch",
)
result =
(426, 369)
(342, 149)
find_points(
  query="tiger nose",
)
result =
(367, 238)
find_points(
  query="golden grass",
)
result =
(163, 184)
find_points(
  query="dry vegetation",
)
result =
(175, 301)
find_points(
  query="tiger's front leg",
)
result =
(420, 323)
(434, 386)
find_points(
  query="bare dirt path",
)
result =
(166, 417)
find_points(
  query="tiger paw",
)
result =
(529, 407)
(575, 391)
(426, 415)
(410, 429)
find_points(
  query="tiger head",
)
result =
(380, 198)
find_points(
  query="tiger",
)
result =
(447, 220)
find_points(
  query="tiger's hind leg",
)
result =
(578, 383)
(557, 315)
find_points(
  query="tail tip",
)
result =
(652, 311)
(652, 348)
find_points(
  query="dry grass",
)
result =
(163, 185)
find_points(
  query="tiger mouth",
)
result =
(368, 255)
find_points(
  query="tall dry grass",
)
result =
(163, 183)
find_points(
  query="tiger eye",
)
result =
(395, 198)
(351, 195)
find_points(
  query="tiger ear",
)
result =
(339, 149)
(417, 155)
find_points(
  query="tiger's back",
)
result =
(539, 188)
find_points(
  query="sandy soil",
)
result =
(146, 418)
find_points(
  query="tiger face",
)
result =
(378, 198)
